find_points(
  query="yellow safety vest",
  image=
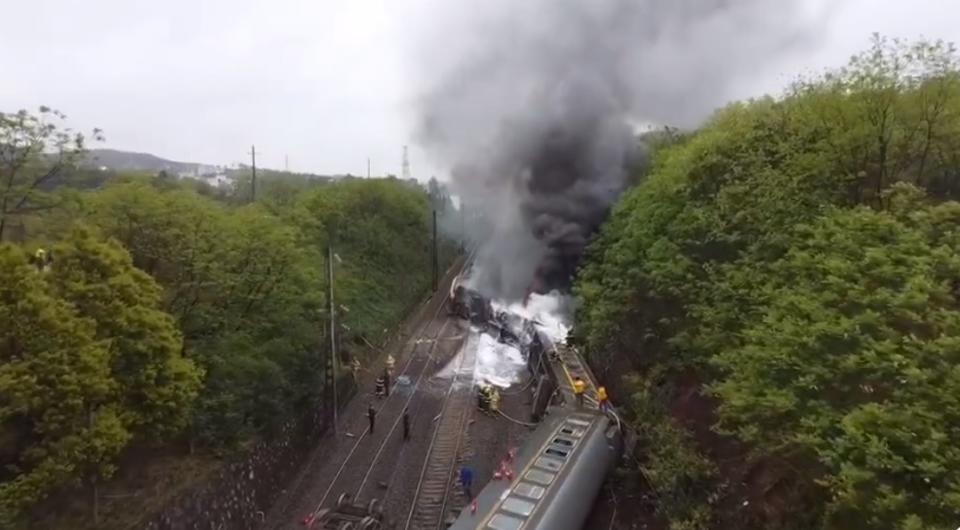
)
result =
(579, 386)
(602, 394)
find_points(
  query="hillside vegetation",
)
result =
(168, 321)
(782, 289)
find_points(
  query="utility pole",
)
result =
(436, 262)
(253, 180)
(406, 165)
(333, 330)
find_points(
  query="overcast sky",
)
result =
(326, 82)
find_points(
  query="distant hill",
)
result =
(128, 161)
(119, 161)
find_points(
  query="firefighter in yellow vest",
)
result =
(579, 387)
(602, 401)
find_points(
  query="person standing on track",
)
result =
(371, 415)
(579, 387)
(466, 480)
(386, 382)
(380, 386)
(406, 425)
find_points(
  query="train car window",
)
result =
(562, 453)
(570, 431)
(551, 464)
(504, 522)
(529, 490)
(579, 422)
(540, 477)
(517, 506)
(563, 441)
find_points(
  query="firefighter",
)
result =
(390, 363)
(386, 382)
(42, 260)
(494, 400)
(371, 415)
(483, 398)
(466, 480)
(602, 401)
(380, 387)
(355, 369)
(579, 387)
(406, 425)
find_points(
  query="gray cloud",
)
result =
(331, 82)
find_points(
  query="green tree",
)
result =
(156, 385)
(34, 151)
(855, 365)
(244, 290)
(58, 419)
(745, 261)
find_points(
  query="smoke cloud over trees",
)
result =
(534, 106)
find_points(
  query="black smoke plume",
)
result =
(535, 105)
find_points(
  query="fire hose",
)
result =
(518, 422)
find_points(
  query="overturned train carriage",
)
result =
(468, 304)
(558, 474)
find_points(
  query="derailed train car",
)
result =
(468, 304)
(558, 475)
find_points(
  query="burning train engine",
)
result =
(469, 304)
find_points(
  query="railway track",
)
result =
(439, 467)
(362, 459)
(417, 365)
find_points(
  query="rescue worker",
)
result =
(466, 480)
(371, 415)
(483, 398)
(386, 382)
(41, 259)
(390, 364)
(380, 387)
(494, 399)
(406, 425)
(355, 369)
(579, 387)
(602, 401)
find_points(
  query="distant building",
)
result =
(216, 180)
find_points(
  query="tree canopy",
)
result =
(162, 314)
(90, 363)
(795, 261)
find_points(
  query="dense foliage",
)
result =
(795, 261)
(172, 315)
(90, 363)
